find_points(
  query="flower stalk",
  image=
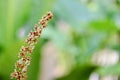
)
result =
(24, 56)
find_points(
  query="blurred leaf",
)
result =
(8, 58)
(75, 16)
(109, 70)
(103, 26)
(79, 73)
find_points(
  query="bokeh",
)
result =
(81, 42)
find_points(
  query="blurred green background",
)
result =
(81, 42)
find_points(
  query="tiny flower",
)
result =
(22, 49)
(24, 70)
(35, 40)
(19, 65)
(21, 54)
(14, 74)
(30, 33)
(36, 33)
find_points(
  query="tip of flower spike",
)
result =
(49, 13)
(45, 19)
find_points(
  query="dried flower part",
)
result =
(24, 57)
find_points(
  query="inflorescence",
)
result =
(24, 56)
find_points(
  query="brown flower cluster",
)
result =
(25, 51)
